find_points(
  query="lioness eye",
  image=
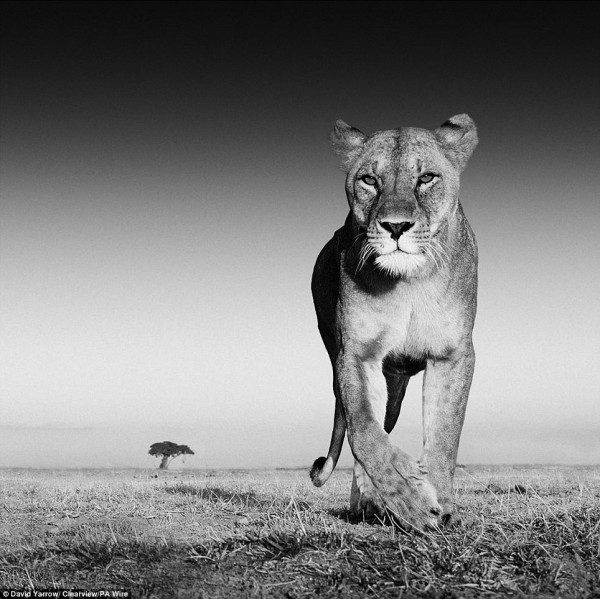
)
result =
(426, 178)
(369, 180)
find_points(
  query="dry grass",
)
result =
(527, 532)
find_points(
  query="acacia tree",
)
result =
(168, 451)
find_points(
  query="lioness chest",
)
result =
(413, 320)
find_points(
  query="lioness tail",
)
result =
(324, 466)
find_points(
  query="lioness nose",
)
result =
(397, 229)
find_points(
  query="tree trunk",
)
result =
(164, 462)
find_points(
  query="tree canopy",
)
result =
(168, 451)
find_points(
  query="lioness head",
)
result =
(402, 187)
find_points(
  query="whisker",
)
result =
(361, 255)
(443, 249)
(436, 257)
(430, 254)
(440, 242)
(360, 234)
(370, 251)
(438, 253)
(365, 252)
(357, 238)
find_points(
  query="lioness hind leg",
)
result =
(364, 499)
(396, 389)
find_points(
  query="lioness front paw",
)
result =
(450, 518)
(408, 495)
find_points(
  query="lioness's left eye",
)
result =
(426, 178)
(369, 180)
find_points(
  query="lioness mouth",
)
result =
(399, 250)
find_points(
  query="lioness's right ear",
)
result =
(347, 142)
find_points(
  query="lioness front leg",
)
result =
(364, 498)
(401, 484)
(445, 392)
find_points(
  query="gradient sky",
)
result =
(167, 184)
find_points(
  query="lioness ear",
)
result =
(458, 136)
(347, 142)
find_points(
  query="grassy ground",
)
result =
(528, 532)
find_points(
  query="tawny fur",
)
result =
(395, 293)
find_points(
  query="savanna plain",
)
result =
(526, 532)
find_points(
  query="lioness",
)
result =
(395, 293)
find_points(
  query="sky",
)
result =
(167, 184)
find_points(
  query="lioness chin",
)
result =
(395, 293)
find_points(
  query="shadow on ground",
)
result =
(219, 495)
